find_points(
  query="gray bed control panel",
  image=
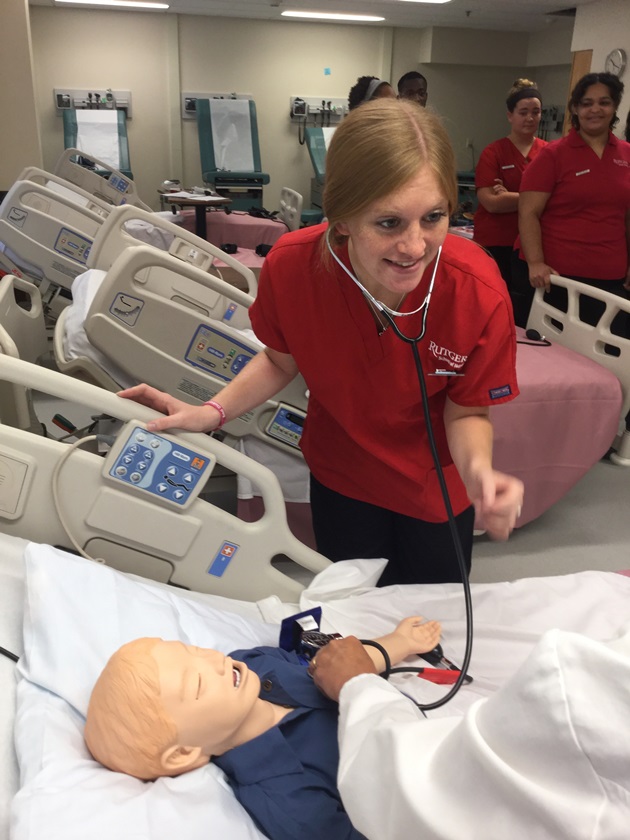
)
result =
(157, 466)
(287, 425)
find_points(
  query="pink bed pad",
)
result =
(237, 227)
(562, 423)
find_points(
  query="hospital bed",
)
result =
(131, 225)
(45, 235)
(64, 616)
(611, 350)
(140, 510)
(22, 336)
(229, 150)
(99, 132)
(103, 181)
(208, 340)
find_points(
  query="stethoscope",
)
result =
(390, 314)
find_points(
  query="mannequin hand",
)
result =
(418, 635)
(498, 500)
(181, 415)
(337, 663)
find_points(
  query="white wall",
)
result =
(469, 89)
(82, 48)
(156, 56)
(274, 61)
(601, 27)
(20, 136)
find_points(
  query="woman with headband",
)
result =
(499, 171)
(368, 88)
(323, 309)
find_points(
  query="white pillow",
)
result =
(77, 613)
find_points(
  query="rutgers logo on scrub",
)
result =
(443, 354)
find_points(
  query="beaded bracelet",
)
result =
(220, 409)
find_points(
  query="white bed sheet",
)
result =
(11, 612)
(509, 619)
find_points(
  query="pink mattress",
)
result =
(561, 424)
(237, 227)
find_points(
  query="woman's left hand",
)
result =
(498, 501)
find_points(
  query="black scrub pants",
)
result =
(418, 551)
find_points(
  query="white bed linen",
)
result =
(79, 612)
(11, 612)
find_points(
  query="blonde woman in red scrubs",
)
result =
(375, 491)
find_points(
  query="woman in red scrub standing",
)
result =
(390, 189)
(499, 171)
(574, 207)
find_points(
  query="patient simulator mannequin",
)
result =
(162, 708)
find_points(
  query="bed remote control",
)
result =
(157, 465)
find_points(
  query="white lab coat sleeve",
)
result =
(545, 758)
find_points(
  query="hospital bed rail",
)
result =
(128, 531)
(114, 188)
(22, 336)
(61, 185)
(116, 234)
(173, 326)
(45, 236)
(597, 342)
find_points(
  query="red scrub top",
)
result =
(365, 435)
(503, 160)
(584, 221)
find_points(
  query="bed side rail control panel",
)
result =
(157, 465)
(287, 425)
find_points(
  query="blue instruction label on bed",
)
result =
(223, 558)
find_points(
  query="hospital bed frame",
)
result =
(71, 135)
(113, 188)
(22, 336)
(597, 342)
(45, 235)
(114, 236)
(244, 188)
(126, 529)
(147, 288)
(74, 191)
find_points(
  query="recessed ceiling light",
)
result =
(425, 1)
(127, 4)
(332, 16)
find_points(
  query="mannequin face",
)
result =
(208, 696)
(393, 241)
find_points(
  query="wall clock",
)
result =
(616, 62)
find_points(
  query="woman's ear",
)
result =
(341, 229)
(178, 759)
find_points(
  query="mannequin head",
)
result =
(163, 708)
